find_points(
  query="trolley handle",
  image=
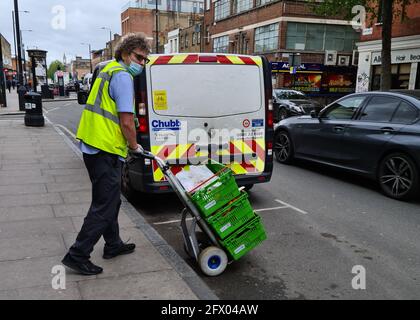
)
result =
(144, 154)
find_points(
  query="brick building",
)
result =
(7, 57)
(80, 67)
(405, 54)
(140, 16)
(280, 29)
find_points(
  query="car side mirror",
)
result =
(313, 114)
(82, 97)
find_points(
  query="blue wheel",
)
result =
(212, 261)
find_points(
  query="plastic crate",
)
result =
(212, 197)
(245, 238)
(232, 216)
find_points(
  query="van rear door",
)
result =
(205, 105)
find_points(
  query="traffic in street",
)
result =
(322, 225)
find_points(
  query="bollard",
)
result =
(33, 106)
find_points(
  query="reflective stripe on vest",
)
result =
(100, 124)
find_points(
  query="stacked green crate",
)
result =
(229, 213)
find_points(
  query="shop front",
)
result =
(323, 83)
(405, 68)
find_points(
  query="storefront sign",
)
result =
(303, 68)
(400, 56)
(338, 83)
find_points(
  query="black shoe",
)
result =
(125, 248)
(86, 268)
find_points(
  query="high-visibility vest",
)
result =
(99, 125)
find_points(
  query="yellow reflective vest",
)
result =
(99, 125)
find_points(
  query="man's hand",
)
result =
(139, 149)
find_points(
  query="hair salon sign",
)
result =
(400, 56)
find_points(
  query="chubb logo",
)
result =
(166, 125)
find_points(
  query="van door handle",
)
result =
(338, 129)
(387, 130)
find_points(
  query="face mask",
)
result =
(135, 69)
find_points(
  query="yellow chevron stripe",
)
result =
(237, 168)
(152, 60)
(257, 60)
(235, 60)
(178, 59)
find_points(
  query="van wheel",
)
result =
(398, 177)
(127, 190)
(283, 147)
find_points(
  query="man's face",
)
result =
(139, 57)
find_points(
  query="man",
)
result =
(8, 84)
(106, 129)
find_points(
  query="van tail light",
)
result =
(270, 121)
(143, 119)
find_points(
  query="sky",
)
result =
(60, 26)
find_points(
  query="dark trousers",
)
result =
(102, 218)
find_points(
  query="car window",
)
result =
(344, 109)
(405, 114)
(380, 109)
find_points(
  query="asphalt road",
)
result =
(321, 223)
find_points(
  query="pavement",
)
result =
(45, 193)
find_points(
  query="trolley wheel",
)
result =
(212, 261)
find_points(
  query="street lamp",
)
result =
(90, 55)
(14, 34)
(24, 55)
(110, 40)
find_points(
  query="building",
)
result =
(173, 42)
(79, 68)
(7, 58)
(280, 30)
(190, 38)
(110, 47)
(139, 16)
(405, 54)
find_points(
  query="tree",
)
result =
(54, 66)
(387, 11)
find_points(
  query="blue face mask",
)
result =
(135, 69)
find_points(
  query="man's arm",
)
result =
(128, 129)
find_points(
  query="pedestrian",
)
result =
(14, 84)
(106, 132)
(8, 84)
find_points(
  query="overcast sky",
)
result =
(60, 26)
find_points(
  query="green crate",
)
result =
(211, 198)
(245, 238)
(232, 216)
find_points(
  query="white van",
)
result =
(192, 107)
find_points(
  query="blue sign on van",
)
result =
(257, 123)
(159, 125)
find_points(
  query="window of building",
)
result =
(320, 37)
(194, 38)
(208, 4)
(400, 76)
(221, 9)
(262, 2)
(187, 42)
(244, 5)
(199, 36)
(181, 42)
(266, 38)
(380, 109)
(221, 44)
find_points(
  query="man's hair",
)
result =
(130, 42)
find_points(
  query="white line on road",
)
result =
(171, 221)
(290, 206)
(53, 109)
(67, 130)
(271, 209)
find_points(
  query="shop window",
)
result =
(400, 76)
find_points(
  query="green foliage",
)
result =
(54, 66)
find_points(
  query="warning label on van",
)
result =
(160, 101)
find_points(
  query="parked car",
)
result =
(70, 87)
(287, 103)
(376, 134)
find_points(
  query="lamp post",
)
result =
(110, 40)
(24, 55)
(90, 55)
(14, 34)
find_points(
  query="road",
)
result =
(321, 223)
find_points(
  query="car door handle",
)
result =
(338, 129)
(387, 130)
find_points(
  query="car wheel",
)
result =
(283, 114)
(398, 176)
(283, 148)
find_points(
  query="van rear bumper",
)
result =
(143, 182)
